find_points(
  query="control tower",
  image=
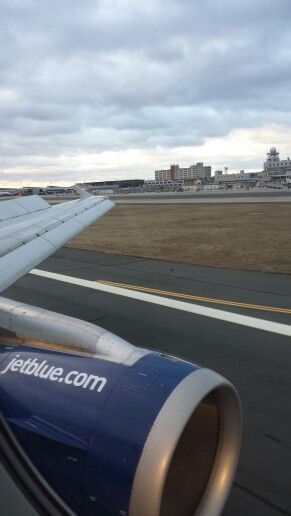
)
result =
(273, 160)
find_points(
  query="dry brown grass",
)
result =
(241, 236)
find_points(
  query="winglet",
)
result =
(83, 193)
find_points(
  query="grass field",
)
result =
(241, 236)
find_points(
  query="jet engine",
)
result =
(114, 429)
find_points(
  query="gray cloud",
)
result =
(116, 74)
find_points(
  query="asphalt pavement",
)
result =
(205, 197)
(256, 361)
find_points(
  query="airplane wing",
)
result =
(31, 230)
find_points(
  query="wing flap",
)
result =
(58, 235)
(32, 203)
(27, 240)
(21, 206)
(9, 244)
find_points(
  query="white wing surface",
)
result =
(31, 230)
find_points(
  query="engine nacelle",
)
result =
(119, 431)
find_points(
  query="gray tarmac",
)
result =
(256, 362)
(202, 197)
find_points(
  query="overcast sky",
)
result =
(116, 88)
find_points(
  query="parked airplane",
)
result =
(114, 429)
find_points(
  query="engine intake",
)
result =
(191, 453)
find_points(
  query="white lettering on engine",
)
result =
(43, 370)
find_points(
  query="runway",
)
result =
(211, 329)
(202, 197)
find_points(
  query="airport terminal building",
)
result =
(276, 169)
(276, 173)
(112, 186)
(239, 178)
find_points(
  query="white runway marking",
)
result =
(231, 317)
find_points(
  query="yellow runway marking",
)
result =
(202, 299)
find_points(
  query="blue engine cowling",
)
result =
(155, 436)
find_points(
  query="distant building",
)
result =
(202, 171)
(57, 190)
(240, 178)
(164, 175)
(217, 174)
(47, 190)
(163, 186)
(175, 172)
(113, 185)
(31, 190)
(276, 170)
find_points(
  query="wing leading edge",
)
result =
(31, 230)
